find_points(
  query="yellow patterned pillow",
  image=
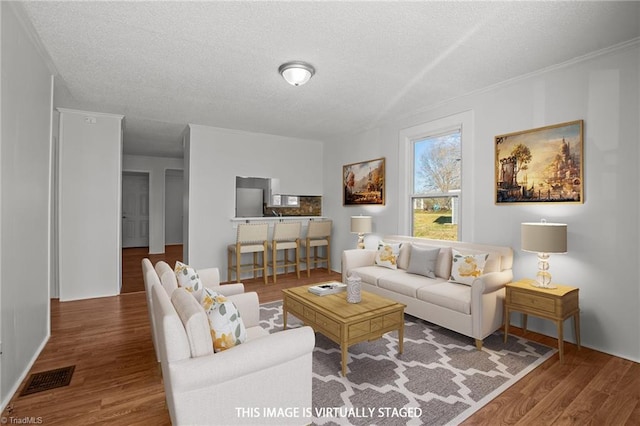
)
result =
(189, 279)
(387, 255)
(465, 268)
(227, 328)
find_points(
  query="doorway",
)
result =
(135, 209)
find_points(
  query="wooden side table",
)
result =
(553, 304)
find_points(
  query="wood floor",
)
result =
(131, 270)
(117, 380)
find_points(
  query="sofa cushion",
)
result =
(370, 274)
(387, 255)
(466, 267)
(194, 321)
(403, 257)
(226, 326)
(450, 295)
(423, 261)
(256, 332)
(189, 279)
(443, 264)
(405, 283)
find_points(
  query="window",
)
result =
(435, 178)
(436, 185)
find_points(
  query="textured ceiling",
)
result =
(166, 64)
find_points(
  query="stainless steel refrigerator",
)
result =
(249, 202)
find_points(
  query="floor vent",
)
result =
(46, 380)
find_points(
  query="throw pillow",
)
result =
(189, 279)
(387, 255)
(465, 268)
(423, 261)
(227, 328)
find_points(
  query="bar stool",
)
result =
(318, 235)
(252, 238)
(285, 236)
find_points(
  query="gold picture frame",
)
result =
(363, 183)
(542, 165)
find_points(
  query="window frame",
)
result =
(462, 122)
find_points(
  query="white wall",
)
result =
(186, 144)
(603, 255)
(216, 156)
(156, 167)
(173, 206)
(90, 164)
(26, 96)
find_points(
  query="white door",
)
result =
(173, 205)
(135, 210)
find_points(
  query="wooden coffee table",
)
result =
(345, 323)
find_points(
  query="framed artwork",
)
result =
(363, 183)
(543, 165)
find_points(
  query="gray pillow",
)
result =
(423, 261)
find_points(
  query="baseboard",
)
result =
(24, 374)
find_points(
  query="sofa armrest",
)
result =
(356, 258)
(492, 281)
(487, 295)
(227, 289)
(249, 307)
(210, 277)
(250, 357)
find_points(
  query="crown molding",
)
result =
(25, 22)
(629, 44)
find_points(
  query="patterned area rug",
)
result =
(440, 379)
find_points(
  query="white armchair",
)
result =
(238, 385)
(210, 278)
(150, 278)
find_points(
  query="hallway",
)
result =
(132, 267)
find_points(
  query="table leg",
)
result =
(401, 336)
(524, 322)
(344, 349)
(506, 323)
(560, 326)
(576, 327)
(284, 316)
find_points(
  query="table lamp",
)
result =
(544, 238)
(360, 225)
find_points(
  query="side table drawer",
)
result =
(534, 301)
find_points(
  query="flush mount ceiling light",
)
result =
(296, 73)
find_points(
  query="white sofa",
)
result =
(474, 310)
(236, 386)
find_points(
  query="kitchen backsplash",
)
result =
(309, 206)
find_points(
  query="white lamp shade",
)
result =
(360, 224)
(543, 237)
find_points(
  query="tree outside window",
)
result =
(436, 186)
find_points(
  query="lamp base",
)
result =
(540, 285)
(543, 277)
(361, 241)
